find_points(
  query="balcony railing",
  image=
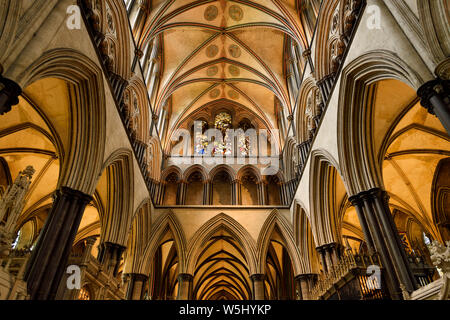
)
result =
(349, 280)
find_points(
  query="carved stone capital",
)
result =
(9, 94)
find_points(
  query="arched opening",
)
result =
(249, 187)
(222, 188)
(195, 189)
(165, 270)
(171, 187)
(279, 278)
(221, 271)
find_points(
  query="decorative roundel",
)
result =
(234, 71)
(212, 71)
(236, 13)
(233, 94)
(211, 13)
(215, 93)
(234, 51)
(212, 51)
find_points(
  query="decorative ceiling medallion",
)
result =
(212, 51)
(236, 13)
(214, 93)
(233, 94)
(212, 71)
(234, 51)
(234, 71)
(211, 13)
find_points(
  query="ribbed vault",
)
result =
(217, 50)
(221, 272)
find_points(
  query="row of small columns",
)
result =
(137, 284)
(286, 192)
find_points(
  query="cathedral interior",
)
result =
(224, 150)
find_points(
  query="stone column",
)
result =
(386, 241)
(333, 248)
(258, 286)
(185, 286)
(110, 255)
(89, 243)
(238, 192)
(321, 252)
(357, 202)
(393, 242)
(234, 187)
(304, 283)
(49, 258)
(9, 93)
(207, 193)
(182, 193)
(136, 286)
(435, 97)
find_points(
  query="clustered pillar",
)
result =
(382, 237)
(48, 261)
(185, 286)
(435, 97)
(136, 286)
(9, 93)
(258, 286)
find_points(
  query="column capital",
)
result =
(138, 277)
(9, 94)
(305, 277)
(185, 277)
(258, 277)
(74, 194)
(432, 88)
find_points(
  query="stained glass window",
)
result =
(84, 294)
(223, 122)
(201, 140)
(243, 139)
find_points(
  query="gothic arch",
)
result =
(304, 239)
(137, 109)
(120, 31)
(276, 221)
(433, 15)
(323, 54)
(120, 194)
(196, 168)
(231, 172)
(9, 14)
(138, 237)
(307, 90)
(205, 232)
(358, 160)
(83, 160)
(167, 222)
(323, 173)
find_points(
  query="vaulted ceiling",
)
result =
(231, 51)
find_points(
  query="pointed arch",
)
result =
(165, 223)
(119, 208)
(205, 232)
(276, 221)
(358, 160)
(139, 236)
(82, 164)
(323, 173)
